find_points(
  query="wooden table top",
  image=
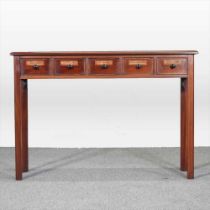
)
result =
(78, 53)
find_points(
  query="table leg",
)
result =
(183, 151)
(24, 127)
(18, 109)
(190, 118)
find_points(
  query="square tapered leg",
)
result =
(183, 150)
(190, 118)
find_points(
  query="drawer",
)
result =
(35, 66)
(104, 66)
(69, 66)
(171, 66)
(139, 66)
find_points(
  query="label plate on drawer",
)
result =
(35, 62)
(101, 62)
(135, 62)
(65, 63)
(174, 61)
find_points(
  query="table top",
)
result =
(92, 53)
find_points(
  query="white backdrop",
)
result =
(105, 113)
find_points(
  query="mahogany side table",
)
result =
(104, 64)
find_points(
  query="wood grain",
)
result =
(190, 118)
(18, 120)
(24, 124)
(183, 151)
(76, 53)
(90, 65)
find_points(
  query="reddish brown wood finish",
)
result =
(101, 76)
(169, 65)
(65, 66)
(107, 53)
(104, 66)
(183, 152)
(28, 66)
(18, 121)
(154, 64)
(139, 65)
(24, 124)
(190, 118)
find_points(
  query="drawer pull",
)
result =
(138, 66)
(36, 67)
(70, 66)
(104, 66)
(172, 66)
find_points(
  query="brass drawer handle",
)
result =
(104, 66)
(70, 66)
(138, 66)
(172, 66)
(36, 67)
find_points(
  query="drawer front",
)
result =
(139, 66)
(35, 66)
(69, 66)
(104, 66)
(172, 66)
